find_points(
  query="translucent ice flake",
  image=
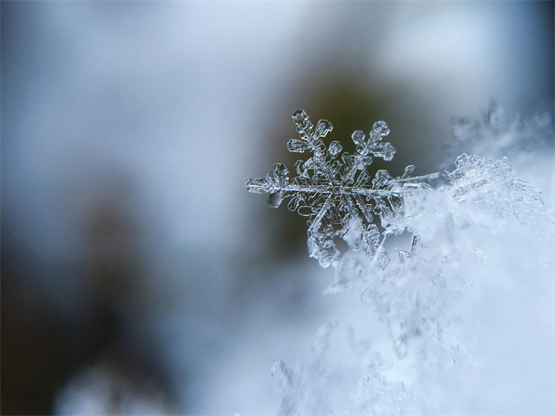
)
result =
(337, 193)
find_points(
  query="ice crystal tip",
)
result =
(337, 193)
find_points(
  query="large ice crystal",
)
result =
(336, 191)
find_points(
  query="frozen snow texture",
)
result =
(337, 193)
(465, 308)
(496, 186)
(340, 375)
(413, 294)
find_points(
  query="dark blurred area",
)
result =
(138, 276)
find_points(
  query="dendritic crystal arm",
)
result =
(337, 194)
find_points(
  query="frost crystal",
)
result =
(337, 193)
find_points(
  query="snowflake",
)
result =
(336, 193)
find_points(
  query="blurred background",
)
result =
(138, 275)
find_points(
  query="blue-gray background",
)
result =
(129, 244)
